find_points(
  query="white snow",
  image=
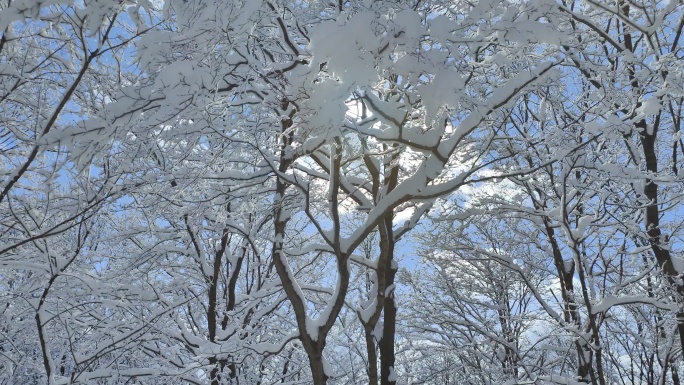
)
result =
(609, 301)
(392, 375)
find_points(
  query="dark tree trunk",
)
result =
(387, 353)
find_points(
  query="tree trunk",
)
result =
(372, 355)
(387, 358)
(317, 367)
(387, 354)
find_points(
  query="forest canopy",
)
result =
(351, 192)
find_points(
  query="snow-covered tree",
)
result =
(220, 192)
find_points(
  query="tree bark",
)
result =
(372, 355)
(387, 354)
